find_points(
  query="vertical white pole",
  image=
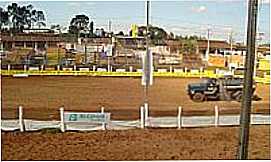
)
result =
(25, 68)
(185, 70)
(103, 124)
(170, 69)
(216, 71)
(74, 67)
(62, 124)
(108, 64)
(201, 71)
(21, 121)
(102, 110)
(216, 116)
(58, 67)
(142, 117)
(41, 68)
(146, 113)
(179, 117)
(93, 68)
(208, 46)
(8, 67)
(131, 69)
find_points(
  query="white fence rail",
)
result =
(178, 121)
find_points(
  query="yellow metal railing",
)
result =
(205, 74)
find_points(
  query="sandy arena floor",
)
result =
(149, 144)
(42, 97)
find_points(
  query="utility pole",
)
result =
(108, 56)
(58, 54)
(109, 26)
(248, 82)
(147, 51)
(231, 45)
(85, 42)
(208, 45)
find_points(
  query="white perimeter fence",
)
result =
(101, 121)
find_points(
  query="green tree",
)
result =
(156, 34)
(24, 17)
(3, 18)
(58, 28)
(120, 33)
(78, 24)
(91, 29)
(40, 19)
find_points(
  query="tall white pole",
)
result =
(21, 121)
(179, 117)
(62, 124)
(208, 45)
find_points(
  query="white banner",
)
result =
(86, 117)
(147, 64)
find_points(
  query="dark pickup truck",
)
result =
(227, 88)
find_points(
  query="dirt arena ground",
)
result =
(148, 144)
(42, 97)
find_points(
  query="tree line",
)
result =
(18, 18)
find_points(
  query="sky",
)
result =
(186, 17)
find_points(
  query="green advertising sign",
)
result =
(86, 117)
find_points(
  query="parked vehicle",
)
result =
(226, 88)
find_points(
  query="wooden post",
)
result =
(142, 124)
(103, 124)
(21, 121)
(146, 113)
(216, 116)
(179, 117)
(62, 123)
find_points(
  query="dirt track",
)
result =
(149, 144)
(41, 97)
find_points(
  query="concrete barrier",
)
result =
(101, 69)
(83, 69)
(178, 70)
(194, 71)
(33, 69)
(120, 70)
(161, 70)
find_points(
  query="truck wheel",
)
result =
(198, 97)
